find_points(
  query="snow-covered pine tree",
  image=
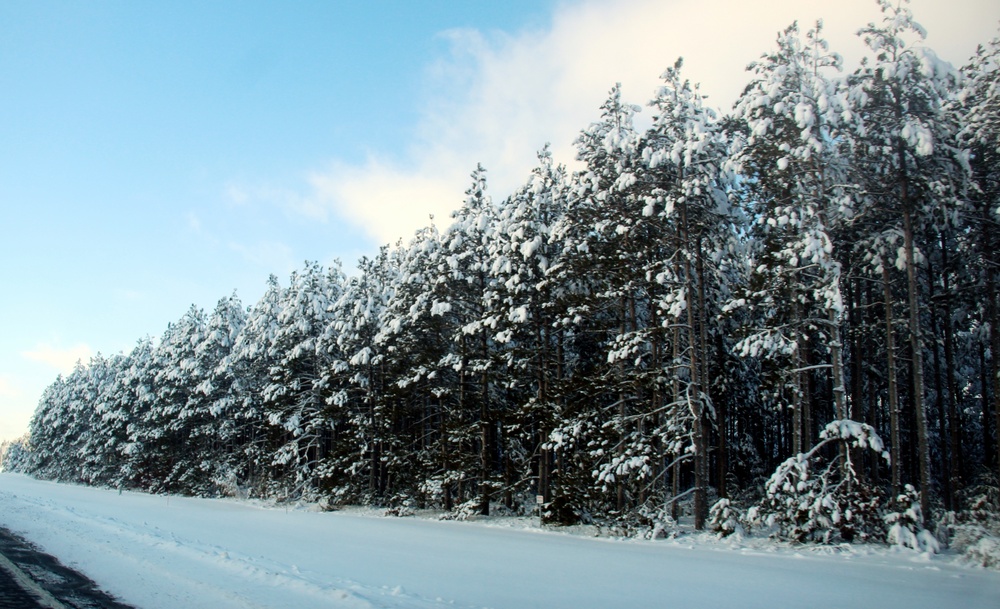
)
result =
(594, 279)
(169, 419)
(796, 175)
(812, 497)
(214, 419)
(685, 152)
(246, 371)
(529, 339)
(979, 114)
(912, 164)
(134, 394)
(293, 397)
(415, 334)
(469, 297)
(369, 433)
(103, 430)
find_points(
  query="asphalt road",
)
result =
(12, 595)
(30, 579)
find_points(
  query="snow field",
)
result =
(168, 552)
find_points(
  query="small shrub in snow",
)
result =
(653, 522)
(563, 510)
(464, 511)
(813, 498)
(906, 528)
(977, 545)
(401, 506)
(975, 531)
(725, 519)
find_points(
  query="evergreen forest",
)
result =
(781, 318)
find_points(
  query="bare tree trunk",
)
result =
(939, 390)
(805, 402)
(837, 360)
(799, 389)
(697, 404)
(890, 347)
(857, 380)
(722, 416)
(984, 383)
(954, 477)
(675, 475)
(916, 346)
(619, 484)
(994, 312)
(486, 447)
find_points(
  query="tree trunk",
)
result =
(722, 416)
(857, 370)
(994, 312)
(916, 346)
(890, 347)
(799, 388)
(697, 405)
(485, 454)
(837, 360)
(984, 384)
(675, 475)
(939, 391)
(954, 476)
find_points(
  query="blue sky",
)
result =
(155, 155)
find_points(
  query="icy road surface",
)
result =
(159, 552)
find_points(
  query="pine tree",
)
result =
(796, 175)
(912, 164)
(215, 430)
(246, 371)
(686, 153)
(979, 113)
(293, 396)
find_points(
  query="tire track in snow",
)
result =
(200, 566)
(188, 564)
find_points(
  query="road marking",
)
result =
(41, 595)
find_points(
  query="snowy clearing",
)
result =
(158, 551)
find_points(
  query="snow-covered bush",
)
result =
(401, 505)
(820, 498)
(653, 522)
(565, 510)
(906, 524)
(464, 511)
(725, 519)
(974, 532)
(14, 455)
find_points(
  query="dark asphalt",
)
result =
(66, 587)
(12, 596)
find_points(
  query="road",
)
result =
(30, 579)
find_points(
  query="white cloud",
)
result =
(498, 98)
(62, 359)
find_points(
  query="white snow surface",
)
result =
(157, 551)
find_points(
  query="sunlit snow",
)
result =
(168, 552)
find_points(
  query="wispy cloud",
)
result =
(497, 98)
(304, 200)
(63, 359)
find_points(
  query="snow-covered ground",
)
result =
(170, 552)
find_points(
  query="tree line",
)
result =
(798, 296)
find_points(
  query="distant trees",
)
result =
(676, 322)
